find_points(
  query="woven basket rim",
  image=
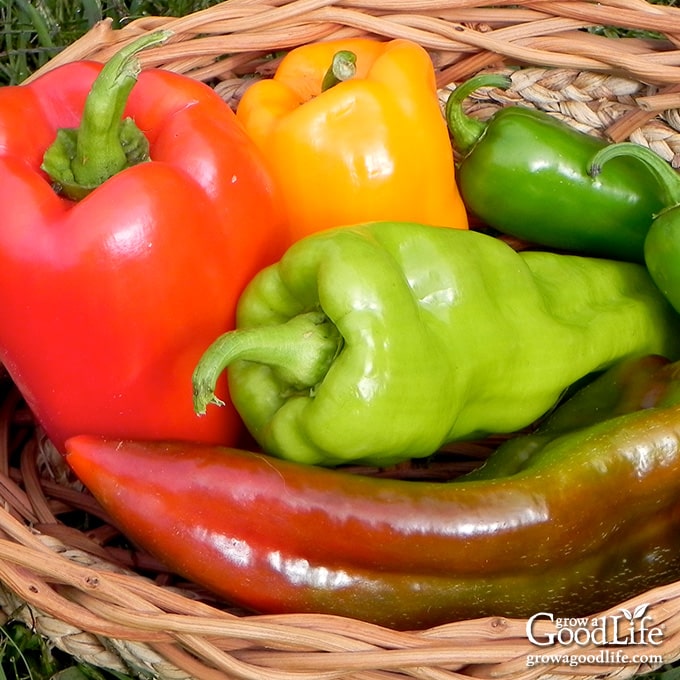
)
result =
(540, 32)
(94, 601)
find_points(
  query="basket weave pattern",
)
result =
(115, 607)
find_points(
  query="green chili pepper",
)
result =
(662, 244)
(381, 342)
(525, 173)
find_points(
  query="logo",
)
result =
(623, 630)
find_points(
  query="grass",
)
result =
(26, 656)
(33, 31)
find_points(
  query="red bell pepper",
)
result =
(115, 274)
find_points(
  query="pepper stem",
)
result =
(667, 177)
(343, 67)
(83, 158)
(300, 352)
(465, 129)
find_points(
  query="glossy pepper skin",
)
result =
(373, 146)
(381, 342)
(662, 244)
(109, 300)
(525, 173)
(632, 384)
(553, 536)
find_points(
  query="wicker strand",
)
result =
(545, 37)
(462, 38)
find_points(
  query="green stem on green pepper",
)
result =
(83, 158)
(667, 176)
(300, 351)
(466, 129)
(343, 67)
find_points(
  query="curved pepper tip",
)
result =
(204, 396)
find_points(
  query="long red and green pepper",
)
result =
(540, 532)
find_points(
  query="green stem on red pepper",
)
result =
(343, 67)
(83, 158)
(116, 284)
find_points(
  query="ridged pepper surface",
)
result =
(131, 218)
(372, 146)
(383, 341)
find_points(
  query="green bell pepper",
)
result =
(662, 243)
(381, 342)
(525, 173)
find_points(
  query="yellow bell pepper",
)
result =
(349, 148)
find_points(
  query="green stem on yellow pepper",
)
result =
(83, 158)
(300, 351)
(343, 67)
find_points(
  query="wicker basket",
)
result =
(115, 607)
